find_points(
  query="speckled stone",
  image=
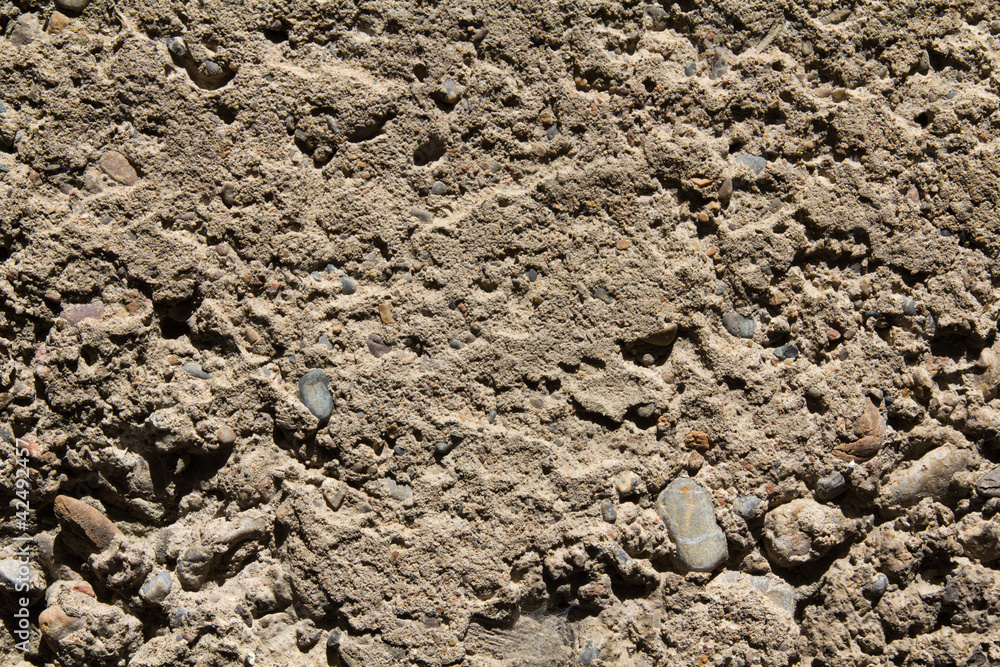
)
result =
(194, 370)
(737, 325)
(158, 587)
(314, 391)
(117, 166)
(688, 511)
(76, 314)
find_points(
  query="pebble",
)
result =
(225, 435)
(830, 487)
(602, 294)
(789, 351)
(721, 288)
(401, 492)
(377, 346)
(532, 275)
(72, 5)
(192, 567)
(76, 314)
(307, 635)
(452, 91)
(325, 342)
(194, 370)
(314, 391)
(737, 325)
(26, 30)
(438, 188)
(756, 163)
(749, 508)
(157, 587)
(421, 214)
(627, 483)
(445, 446)
(878, 585)
(588, 655)
(176, 46)
(909, 307)
(455, 343)
(688, 511)
(86, 522)
(347, 286)
(117, 166)
(802, 531)
(929, 477)
(662, 337)
(228, 194)
(726, 190)
(57, 23)
(608, 511)
(385, 313)
(690, 69)
(56, 624)
(211, 69)
(989, 484)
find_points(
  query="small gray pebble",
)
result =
(721, 288)
(314, 392)
(325, 342)
(755, 162)
(444, 446)
(377, 346)
(532, 275)
(333, 640)
(552, 132)
(195, 370)
(749, 508)
(952, 95)
(491, 416)
(452, 304)
(157, 588)
(878, 586)
(608, 511)
(789, 351)
(455, 343)
(176, 46)
(909, 307)
(989, 484)
(602, 294)
(737, 325)
(589, 654)
(421, 214)
(830, 487)
(347, 286)
(690, 69)
(438, 188)
(211, 68)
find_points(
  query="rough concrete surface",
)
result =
(369, 333)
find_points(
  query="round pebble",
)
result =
(377, 346)
(228, 194)
(226, 435)
(176, 46)
(608, 511)
(532, 274)
(72, 5)
(455, 343)
(830, 487)
(438, 188)
(314, 391)
(158, 587)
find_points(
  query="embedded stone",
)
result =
(929, 477)
(157, 588)
(314, 390)
(86, 522)
(737, 325)
(803, 531)
(688, 511)
(117, 166)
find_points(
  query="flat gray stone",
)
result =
(989, 484)
(314, 391)
(737, 325)
(754, 162)
(688, 511)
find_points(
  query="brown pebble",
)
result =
(726, 189)
(713, 250)
(776, 298)
(697, 440)
(831, 334)
(823, 91)
(840, 94)
(85, 588)
(55, 624)
(623, 244)
(117, 166)
(57, 22)
(385, 312)
(703, 217)
(251, 335)
(87, 522)
(701, 182)
(53, 296)
(694, 461)
(225, 435)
